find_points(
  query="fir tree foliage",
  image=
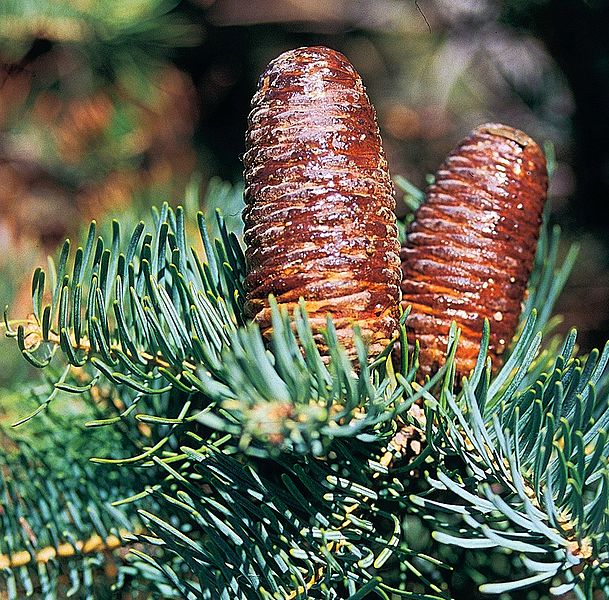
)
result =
(59, 529)
(260, 470)
(107, 32)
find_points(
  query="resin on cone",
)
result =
(319, 216)
(471, 247)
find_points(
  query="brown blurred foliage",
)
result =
(67, 158)
(79, 140)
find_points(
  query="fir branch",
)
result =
(180, 326)
(536, 461)
(139, 313)
(288, 397)
(298, 545)
(56, 521)
(271, 418)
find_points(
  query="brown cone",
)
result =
(471, 246)
(319, 220)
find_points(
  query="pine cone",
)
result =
(319, 220)
(471, 246)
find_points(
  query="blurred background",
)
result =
(108, 106)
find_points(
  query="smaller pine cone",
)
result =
(470, 249)
(319, 220)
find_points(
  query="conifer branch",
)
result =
(241, 425)
(57, 523)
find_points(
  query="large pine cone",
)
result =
(471, 246)
(319, 220)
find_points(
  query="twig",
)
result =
(94, 544)
(34, 338)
